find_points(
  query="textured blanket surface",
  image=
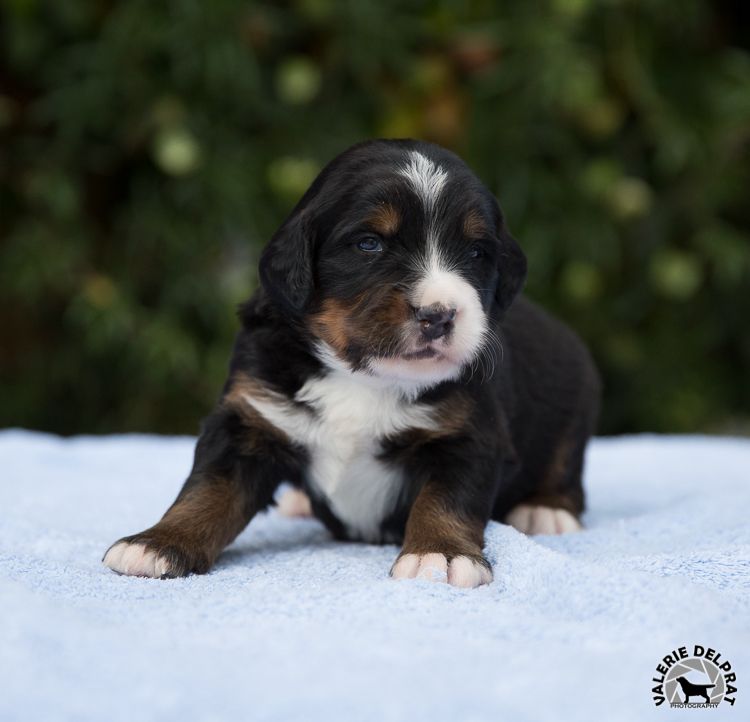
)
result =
(292, 625)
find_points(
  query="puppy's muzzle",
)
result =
(435, 321)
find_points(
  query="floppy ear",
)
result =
(511, 268)
(286, 264)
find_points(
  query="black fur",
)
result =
(690, 689)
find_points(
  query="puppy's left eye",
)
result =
(476, 252)
(370, 244)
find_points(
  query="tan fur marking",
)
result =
(474, 225)
(242, 386)
(558, 465)
(385, 220)
(212, 512)
(372, 321)
(550, 492)
(382, 314)
(330, 324)
(258, 427)
(557, 483)
(451, 417)
(433, 527)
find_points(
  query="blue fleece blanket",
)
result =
(294, 626)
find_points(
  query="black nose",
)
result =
(435, 320)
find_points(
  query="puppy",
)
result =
(387, 368)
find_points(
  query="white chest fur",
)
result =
(343, 437)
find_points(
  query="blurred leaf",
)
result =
(581, 281)
(630, 198)
(176, 151)
(298, 80)
(290, 177)
(676, 274)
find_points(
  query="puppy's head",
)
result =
(394, 260)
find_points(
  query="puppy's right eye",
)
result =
(370, 244)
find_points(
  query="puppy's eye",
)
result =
(370, 244)
(476, 252)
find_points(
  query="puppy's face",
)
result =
(393, 260)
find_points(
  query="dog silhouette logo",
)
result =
(701, 679)
(691, 689)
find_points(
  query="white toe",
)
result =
(519, 518)
(294, 503)
(433, 568)
(460, 572)
(542, 520)
(565, 522)
(466, 573)
(406, 567)
(135, 560)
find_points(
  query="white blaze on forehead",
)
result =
(426, 179)
(439, 282)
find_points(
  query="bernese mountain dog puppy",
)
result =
(388, 368)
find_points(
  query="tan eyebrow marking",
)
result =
(474, 225)
(385, 219)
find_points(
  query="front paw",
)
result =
(156, 555)
(459, 571)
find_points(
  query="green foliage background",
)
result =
(149, 149)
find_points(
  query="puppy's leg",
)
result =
(238, 465)
(556, 501)
(441, 543)
(207, 515)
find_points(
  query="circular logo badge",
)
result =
(695, 677)
(694, 680)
